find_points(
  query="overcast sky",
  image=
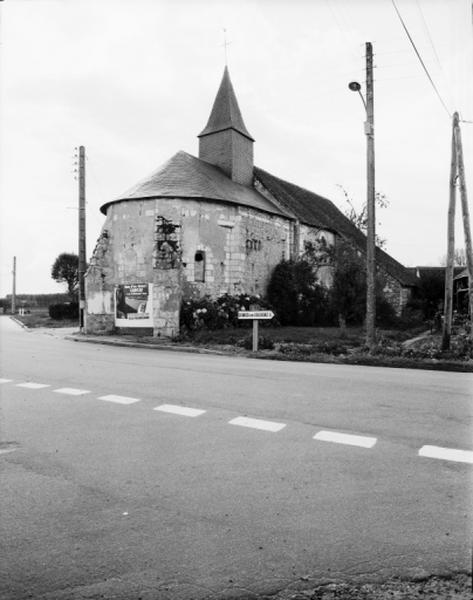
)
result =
(134, 83)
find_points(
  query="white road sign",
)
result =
(255, 314)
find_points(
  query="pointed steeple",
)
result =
(225, 111)
(225, 141)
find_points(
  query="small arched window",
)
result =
(199, 266)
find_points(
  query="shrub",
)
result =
(209, 313)
(264, 343)
(385, 313)
(295, 348)
(331, 347)
(461, 347)
(64, 310)
(295, 295)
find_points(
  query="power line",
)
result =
(428, 33)
(420, 59)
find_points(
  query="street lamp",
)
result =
(354, 86)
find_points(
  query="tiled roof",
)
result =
(184, 176)
(318, 211)
(436, 272)
(225, 111)
(462, 274)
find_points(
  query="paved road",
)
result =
(109, 490)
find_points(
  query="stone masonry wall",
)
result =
(259, 243)
(395, 294)
(230, 151)
(238, 248)
(317, 235)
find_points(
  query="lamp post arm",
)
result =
(363, 100)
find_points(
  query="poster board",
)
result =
(134, 305)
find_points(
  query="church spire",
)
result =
(225, 141)
(225, 111)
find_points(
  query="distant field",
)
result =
(39, 317)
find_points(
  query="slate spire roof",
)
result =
(225, 111)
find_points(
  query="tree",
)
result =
(459, 258)
(360, 218)
(295, 294)
(66, 269)
(348, 291)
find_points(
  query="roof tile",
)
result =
(318, 211)
(184, 176)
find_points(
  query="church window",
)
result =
(199, 266)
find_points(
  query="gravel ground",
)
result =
(456, 587)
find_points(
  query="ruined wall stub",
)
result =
(167, 289)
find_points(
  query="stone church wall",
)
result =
(264, 240)
(216, 248)
(396, 294)
(314, 235)
(237, 248)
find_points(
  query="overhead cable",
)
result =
(420, 59)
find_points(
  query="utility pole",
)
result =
(466, 216)
(13, 296)
(448, 301)
(370, 205)
(82, 244)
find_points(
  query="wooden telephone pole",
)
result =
(354, 86)
(457, 170)
(448, 301)
(82, 240)
(370, 205)
(13, 296)
(466, 221)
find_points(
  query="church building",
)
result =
(210, 225)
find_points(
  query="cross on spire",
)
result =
(225, 45)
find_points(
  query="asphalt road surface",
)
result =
(132, 473)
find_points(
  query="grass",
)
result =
(40, 318)
(352, 336)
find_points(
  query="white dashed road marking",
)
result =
(345, 438)
(450, 454)
(33, 386)
(180, 410)
(257, 424)
(71, 391)
(119, 399)
(464, 456)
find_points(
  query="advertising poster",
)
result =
(133, 305)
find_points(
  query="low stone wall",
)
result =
(103, 324)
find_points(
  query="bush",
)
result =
(64, 310)
(461, 347)
(209, 313)
(385, 313)
(331, 347)
(295, 295)
(264, 343)
(295, 348)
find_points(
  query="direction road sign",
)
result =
(255, 314)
